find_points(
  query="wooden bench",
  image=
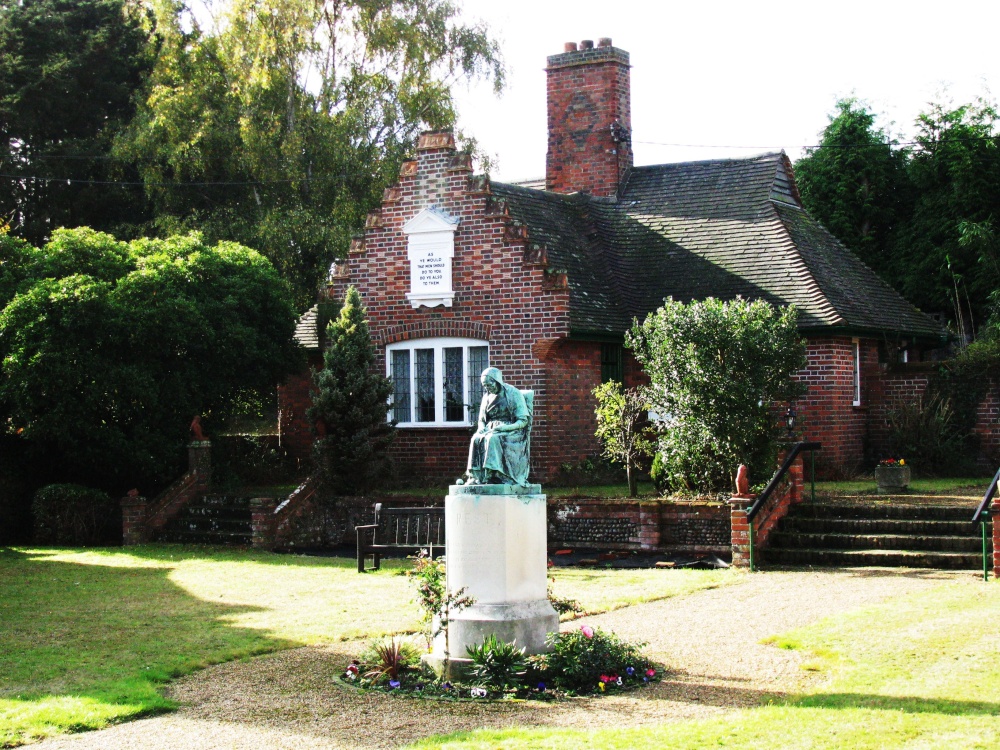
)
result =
(402, 530)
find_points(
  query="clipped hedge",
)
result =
(76, 515)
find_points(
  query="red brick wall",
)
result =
(588, 91)
(891, 389)
(988, 429)
(826, 411)
(294, 397)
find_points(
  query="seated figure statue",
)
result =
(499, 450)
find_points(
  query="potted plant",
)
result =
(892, 475)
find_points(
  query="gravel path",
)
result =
(710, 640)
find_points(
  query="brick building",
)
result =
(458, 272)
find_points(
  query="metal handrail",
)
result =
(985, 504)
(981, 515)
(778, 475)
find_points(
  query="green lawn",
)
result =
(921, 671)
(88, 637)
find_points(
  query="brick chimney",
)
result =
(590, 119)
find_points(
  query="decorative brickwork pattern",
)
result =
(590, 121)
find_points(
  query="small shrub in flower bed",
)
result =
(587, 661)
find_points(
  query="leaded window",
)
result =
(436, 381)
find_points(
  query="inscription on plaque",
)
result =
(430, 249)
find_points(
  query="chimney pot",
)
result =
(569, 47)
(604, 41)
(587, 44)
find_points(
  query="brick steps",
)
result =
(855, 535)
(857, 558)
(214, 519)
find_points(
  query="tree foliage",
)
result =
(69, 70)
(289, 117)
(922, 216)
(622, 427)
(855, 183)
(716, 368)
(350, 406)
(108, 349)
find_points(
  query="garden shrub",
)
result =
(496, 664)
(926, 433)
(583, 660)
(76, 515)
(387, 659)
(716, 370)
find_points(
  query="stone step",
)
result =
(910, 542)
(885, 511)
(876, 558)
(209, 524)
(200, 510)
(230, 501)
(794, 523)
(198, 537)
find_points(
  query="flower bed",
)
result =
(586, 661)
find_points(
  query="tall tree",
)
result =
(280, 124)
(942, 253)
(855, 183)
(69, 71)
(350, 405)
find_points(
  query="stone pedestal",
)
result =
(496, 550)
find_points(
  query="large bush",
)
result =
(716, 370)
(108, 349)
(72, 514)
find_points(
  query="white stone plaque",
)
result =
(430, 249)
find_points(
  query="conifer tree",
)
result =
(350, 405)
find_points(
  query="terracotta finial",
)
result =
(196, 429)
(742, 481)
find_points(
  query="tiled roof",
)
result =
(717, 228)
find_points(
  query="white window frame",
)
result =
(856, 371)
(438, 344)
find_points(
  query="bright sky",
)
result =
(760, 74)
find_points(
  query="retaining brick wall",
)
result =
(617, 524)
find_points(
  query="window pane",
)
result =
(425, 385)
(611, 363)
(401, 385)
(479, 360)
(454, 405)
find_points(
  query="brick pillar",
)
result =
(796, 475)
(200, 462)
(135, 509)
(995, 515)
(740, 529)
(262, 522)
(649, 526)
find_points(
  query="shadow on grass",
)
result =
(85, 645)
(903, 704)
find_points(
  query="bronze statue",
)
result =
(499, 453)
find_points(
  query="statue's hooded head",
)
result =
(492, 373)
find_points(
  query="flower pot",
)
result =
(892, 479)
